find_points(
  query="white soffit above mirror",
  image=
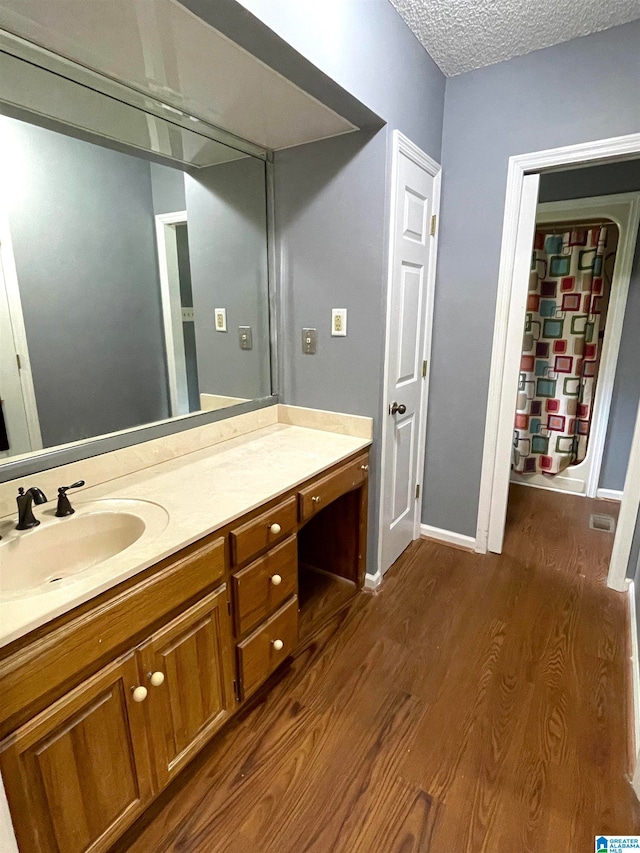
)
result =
(162, 49)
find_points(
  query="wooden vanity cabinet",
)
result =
(82, 770)
(102, 708)
(79, 773)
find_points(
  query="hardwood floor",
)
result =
(477, 703)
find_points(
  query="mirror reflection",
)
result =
(130, 291)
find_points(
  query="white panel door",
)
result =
(409, 281)
(13, 407)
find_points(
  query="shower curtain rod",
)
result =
(571, 223)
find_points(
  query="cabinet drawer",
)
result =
(258, 655)
(313, 498)
(263, 531)
(254, 592)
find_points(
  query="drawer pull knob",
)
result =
(276, 580)
(156, 678)
(364, 467)
(316, 499)
(139, 693)
(275, 528)
(278, 645)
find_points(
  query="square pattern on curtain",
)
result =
(566, 307)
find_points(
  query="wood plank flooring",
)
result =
(477, 703)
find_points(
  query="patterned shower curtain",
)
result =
(566, 307)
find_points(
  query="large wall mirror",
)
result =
(134, 283)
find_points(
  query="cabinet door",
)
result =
(79, 773)
(192, 658)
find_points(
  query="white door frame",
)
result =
(519, 221)
(624, 210)
(625, 529)
(7, 261)
(403, 145)
(172, 310)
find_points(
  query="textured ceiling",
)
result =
(462, 35)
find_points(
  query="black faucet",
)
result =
(64, 507)
(26, 518)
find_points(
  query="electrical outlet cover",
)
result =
(339, 322)
(221, 319)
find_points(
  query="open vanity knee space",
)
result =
(115, 677)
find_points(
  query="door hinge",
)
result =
(19, 362)
(228, 607)
(424, 369)
(235, 690)
(434, 221)
(417, 491)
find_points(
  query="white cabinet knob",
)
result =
(364, 467)
(276, 580)
(316, 499)
(275, 528)
(278, 645)
(156, 678)
(139, 693)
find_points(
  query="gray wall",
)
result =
(167, 187)
(331, 203)
(582, 90)
(84, 244)
(330, 199)
(606, 180)
(226, 209)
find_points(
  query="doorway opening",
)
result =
(582, 259)
(526, 172)
(172, 238)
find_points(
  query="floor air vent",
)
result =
(602, 522)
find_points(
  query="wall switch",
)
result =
(246, 337)
(309, 341)
(339, 322)
(187, 315)
(221, 319)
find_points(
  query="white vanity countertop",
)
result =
(200, 491)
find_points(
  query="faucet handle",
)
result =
(77, 485)
(64, 507)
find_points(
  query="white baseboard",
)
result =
(609, 494)
(635, 681)
(448, 537)
(373, 581)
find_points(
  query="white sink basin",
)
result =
(59, 549)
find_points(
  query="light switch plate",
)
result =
(221, 319)
(339, 322)
(187, 315)
(245, 336)
(309, 341)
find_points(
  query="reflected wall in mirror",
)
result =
(112, 269)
